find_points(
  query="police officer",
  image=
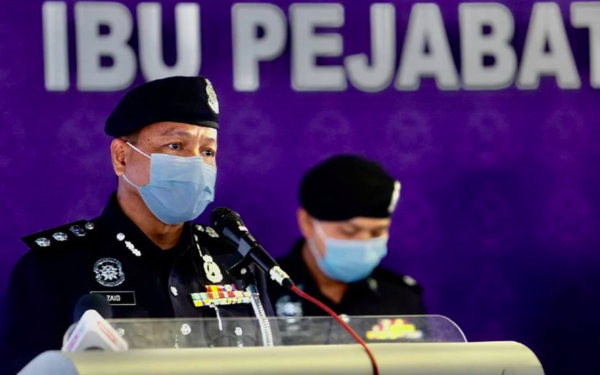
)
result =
(142, 253)
(346, 205)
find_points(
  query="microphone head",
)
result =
(95, 302)
(220, 217)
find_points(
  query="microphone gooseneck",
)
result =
(229, 224)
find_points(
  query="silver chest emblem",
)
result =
(109, 272)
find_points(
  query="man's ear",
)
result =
(305, 223)
(118, 155)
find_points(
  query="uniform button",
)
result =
(174, 291)
(372, 284)
(120, 237)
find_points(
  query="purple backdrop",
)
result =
(498, 217)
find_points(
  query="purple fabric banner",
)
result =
(498, 217)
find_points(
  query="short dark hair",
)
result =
(131, 138)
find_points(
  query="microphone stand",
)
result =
(241, 267)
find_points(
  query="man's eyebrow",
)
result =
(359, 227)
(172, 132)
(354, 226)
(381, 227)
(209, 139)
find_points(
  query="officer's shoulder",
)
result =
(64, 237)
(394, 279)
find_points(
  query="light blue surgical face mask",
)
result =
(180, 188)
(348, 260)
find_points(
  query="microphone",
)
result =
(92, 331)
(229, 224)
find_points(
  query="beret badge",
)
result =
(213, 102)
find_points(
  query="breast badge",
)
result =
(109, 272)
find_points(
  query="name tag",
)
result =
(119, 298)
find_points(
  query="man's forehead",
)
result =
(369, 222)
(169, 129)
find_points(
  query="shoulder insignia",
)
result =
(409, 281)
(211, 232)
(207, 240)
(204, 231)
(60, 236)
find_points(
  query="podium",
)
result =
(406, 345)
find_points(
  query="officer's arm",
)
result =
(29, 318)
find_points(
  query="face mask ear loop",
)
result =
(312, 245)
(129, 182)
(138, 150)
(319, 230)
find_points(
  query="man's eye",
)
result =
(175, 146)
(209, 153)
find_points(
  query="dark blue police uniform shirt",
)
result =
(382, 293)
(110, 255)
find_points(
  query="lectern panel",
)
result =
(494, 358)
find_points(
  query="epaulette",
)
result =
(205, 231)
(412, 283)
(60, 237)
(209, 237)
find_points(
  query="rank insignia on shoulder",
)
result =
(42, 242)
(211, 232)
(58, 237)
(409, 281)
(77, 230)
(220, 295)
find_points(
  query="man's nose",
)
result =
(194, 152)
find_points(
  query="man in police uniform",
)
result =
(142, 253)
(345, 215)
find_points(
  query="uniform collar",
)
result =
(118, 225)
(299, 272)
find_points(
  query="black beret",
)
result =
(348, 186)
(189, 100)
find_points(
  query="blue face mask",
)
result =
(180, 188)
(348, 260)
